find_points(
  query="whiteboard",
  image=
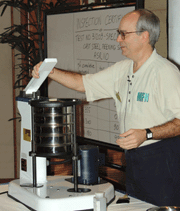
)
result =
(85, 42)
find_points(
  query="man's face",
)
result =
(131, 45)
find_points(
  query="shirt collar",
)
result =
(145, 65)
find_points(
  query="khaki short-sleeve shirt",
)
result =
(144, 99)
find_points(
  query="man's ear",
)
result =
(145, 36)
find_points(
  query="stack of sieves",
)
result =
(53, 127)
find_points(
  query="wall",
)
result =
(6, 105)
(159, 7)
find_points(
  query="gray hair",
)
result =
(148, 21)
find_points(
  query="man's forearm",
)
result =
(167, 130)
(69, 79)
(133, 138)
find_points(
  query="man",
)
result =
(146, 89)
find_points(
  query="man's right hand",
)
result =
(35, 71)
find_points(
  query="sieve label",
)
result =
(27, 135)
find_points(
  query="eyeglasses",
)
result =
(123, 34)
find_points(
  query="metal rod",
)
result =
(34, 171)
(75, 152)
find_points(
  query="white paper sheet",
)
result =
(44, 70)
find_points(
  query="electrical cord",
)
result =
(3, 192)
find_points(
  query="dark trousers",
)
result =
(153, 172)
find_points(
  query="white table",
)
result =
(8, 204)
(134, 205)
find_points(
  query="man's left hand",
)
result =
(131, 139)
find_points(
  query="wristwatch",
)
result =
(149, 134)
